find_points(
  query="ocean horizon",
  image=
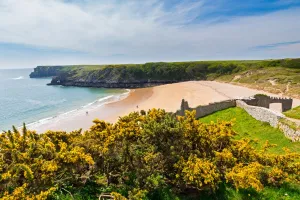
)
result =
(31, 101)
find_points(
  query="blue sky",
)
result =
(39, 32)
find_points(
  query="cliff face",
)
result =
(151, 74)
(122, 76)
(102, 84)
(108, 77)
(45, 71)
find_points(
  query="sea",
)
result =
(30, 100)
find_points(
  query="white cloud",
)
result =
(143, 30)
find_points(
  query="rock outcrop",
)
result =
(108, 77)
(45, 71)
(64, 81)
(149, 74)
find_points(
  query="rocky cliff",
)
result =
(133, 75)
(107, 77)
(150, 74)
(45, 71)
(103, 84)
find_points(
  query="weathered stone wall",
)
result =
(183, 107)
(286, 104)
(272, 117)
(204, 110)
(289, 132)
(260, 113)
(265, 101)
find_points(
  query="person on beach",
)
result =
(87, 113)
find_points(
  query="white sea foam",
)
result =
(85, 108)
(98, 101)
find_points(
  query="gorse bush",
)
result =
(33, 165)
(138, 156)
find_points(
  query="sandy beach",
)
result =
(167, 97)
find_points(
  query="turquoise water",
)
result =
(28, 100)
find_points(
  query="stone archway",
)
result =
(265, 101)
(276, 107)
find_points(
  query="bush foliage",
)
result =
(162, 71)
(139, 157)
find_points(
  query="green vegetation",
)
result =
(277, 76)
(176, 71)
(248, 127)
(293, 113)
(260, 95)
(149, 155)
(278, 79)
(290, 123)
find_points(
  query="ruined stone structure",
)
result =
(289, 132)
(261, 113)
(204, 110)
(257, 106)
(265, 101)
(183, 107)
(275, 119)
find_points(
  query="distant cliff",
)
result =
(45, 71)
(150, 74)
(134, 75)
(112, 76)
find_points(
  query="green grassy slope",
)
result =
(172, 71)
(279, 79)
(258, 73)
(248, 127)
(294, 113)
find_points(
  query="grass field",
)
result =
(248, 127)
(294, 113)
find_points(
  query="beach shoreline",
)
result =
(166, 97)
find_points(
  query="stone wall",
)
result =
(204, 110)
(259, 113)
(289, 132)
(265, 101)
(272, 117)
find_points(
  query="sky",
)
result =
(57, 32)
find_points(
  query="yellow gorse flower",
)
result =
(142, 153)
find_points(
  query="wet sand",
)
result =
(167, 97)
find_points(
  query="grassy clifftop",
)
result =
(248, 127)
(294, 113)
(282, 77)
(258, 72)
